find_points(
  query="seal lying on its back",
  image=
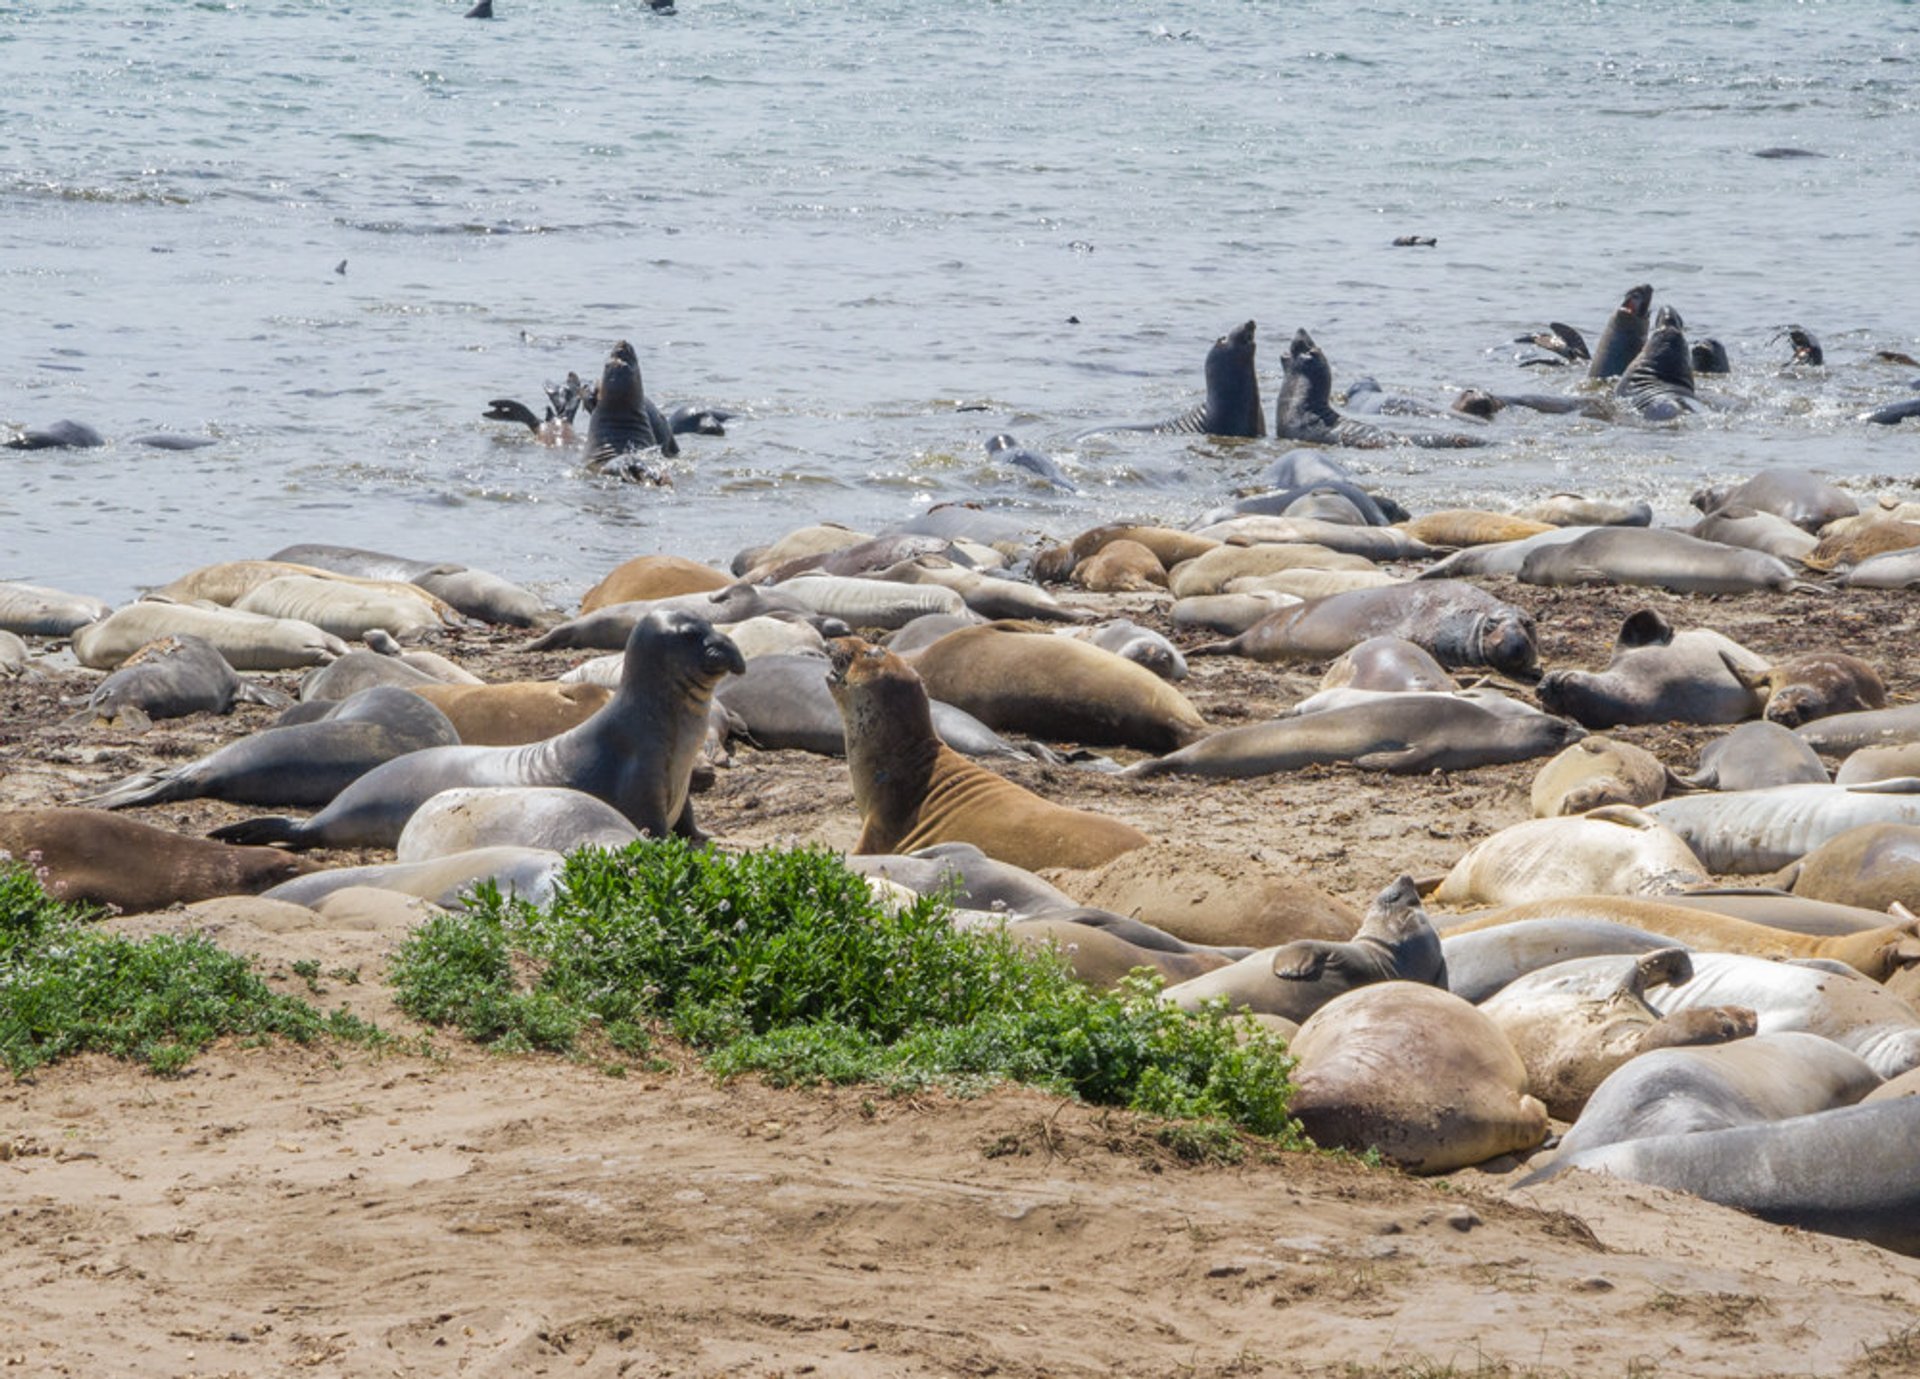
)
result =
(625, 423)
(1304, 411)
(1658, 675)
(1232, 407)
(637, 753)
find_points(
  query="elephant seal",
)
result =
(1375, 543)
(1211, 572)
(301, 765)
(1459, 623)
(1574, 1023)
(1483, 961)
(1659, 558)
(529, 874)
(1613, 850)
(1576, 510)
(1230, 614)
(1658, 675)
(1804, 499)
(974, 880)
(1766, 532)
(1304, 410)
(1322, 498)
(1396, 942)
(1597, 771)
(1387, 663)
(1840, 549)
(515, 712)
(1121, 567)
(1658, 384)
(249, 641)
(1777, 909)
(1820, 684)
(1416, 1073)
(15, 659)
(1755, 756)
(1467, 527)
(986, 596)
(1709, 356)
(346, 609)
(1763, 830)
(171, 678)
(1170, 545)
(1004, 449)
(473, 593)
(1212, 896)
(1405, 734)
(1874, 867)
(33, 610)
(1503, 558)
(1056, 688)
(1232, 407)
(637, 754)
(1624, 334)
(1893, 413)
(1879, 763)
(653, 577)
(59, 435)
(1132, 642)
(358, 670)
(1101, 959)
(1842, 733)
(608, 628)
(625, 423)
(95, 858)
(554, 818)
(1685, 1091)
(912, 790)
(1847, 1171)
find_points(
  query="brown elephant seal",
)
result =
(1820, 684)
(1575, 1022)
(637, 754)
(1213, 896)
(1121, 567)
(1459, 623)
(653, 577)
(1879, 763)
(1597, 771)
(814, 539)
(1844, 544)
(1396, 942)
(1056, 688)
(551, 817)
(914, 791)
(1387, 663)
(1658, 675)
(95, 858)
(1416, 1073)
(517, 712)
(1102, 959)
(1755, 756)
(171, 678)
(1614, 850)
(1874, 867)
(1458, 527)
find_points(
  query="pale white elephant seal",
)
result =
(1614, 850)
(551, 817)
(1597, 771)
(527, 874)
(1751, 831)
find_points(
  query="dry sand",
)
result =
(439, 1211)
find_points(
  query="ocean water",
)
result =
(882, 232)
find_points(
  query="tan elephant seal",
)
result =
(1573, 1023)
(1614, 850)
(1212, 895)
(1310, 584)
(1853, 539)
(1396, 942)
(1101, 959)
(518, 712)
(249, 641)
(1818, 684)
(349, 609)
(1170, 545)
(1874, 867)
(653, 577)
(914, 791)
(1121, 567)
(1598, 771)
(1212, 572)
(97, 858)
(1460, 527)
(1416, 1073)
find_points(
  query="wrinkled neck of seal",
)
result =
(891, 745)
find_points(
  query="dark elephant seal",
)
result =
(1623, 335)
(1658, 675)
(1396, 942)
(1659, 558)
(1755, 756)
(1304, 410)
(913, 790)
(95, 858)
(637, 754)
(1658, 384)
(171, 678)
(1312, 500)
(1709, 356)
(1804, 499)
(1459, 623)
(60, 435)
(302, 764)
(1232, 407)
(1893, 413)
(625, 423)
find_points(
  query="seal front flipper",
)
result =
(687, 419)
(506, 409)
(1302, 960)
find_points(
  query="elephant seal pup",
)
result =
(1658, 384)
(1396, 942)
(913, 790)
(1574, 510)
(1121, 567)
(301, 764)
(1387, 663)
(986, 596)
(1575, 1022)
(1597, 771)
(1404, 734)
(1132, 642)
(516, 712)
(550, 817)
(607, 629)
(653, 577)
(1820, 684)
(1056, 688)
(1751, 831)
(249, 641)
(15, 659)
(1658, 558)
(1685, 1091)
(1483, 961)
(1304, 410)
(625, 422)
(1658, 675)
(1232, 407)
(1458, 527)
(33, 610)
(1100, 959)
(528, 874)
(1874, 867)
(1416, 1073)
(1614, 850)
(1213, 896)
(1459, 623)
(171, 678)
(91, 857)
(1624, 334)
(637, 754)
(1804, 499)
(1847, 1171)
(1755, 756)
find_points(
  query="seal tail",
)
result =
(1230, 647)
(260, 832)
(153, 787)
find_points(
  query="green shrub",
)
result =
(783, 962)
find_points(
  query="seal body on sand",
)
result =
(1387, 663)
(1874, 867)
(171, 678)
(1232, 407)
(32, 610)
(1656, 558)
(1755, 756)
(104, 859)
(1766, 532)
(1121, 567)
(1623, 335)
(1842, 733)
(1752, 831)
(249, 641)
(528, 874)
(1467, 527)
(653, 577)
(1597, 771)
(1614, 850)
(1211, 572)
(1575, 510)
(977, 881)
(637, 754)
(1459, 623)
(1658, 675)
(1879, 763)
(1820, 684)
(1396, 942)
(913, 790)
(1416, 1073)
(1803, 498)
(1304, 410)
(300, 765)
(557, 819)
(625, 423)
(515, 712)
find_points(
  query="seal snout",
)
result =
(720, 656)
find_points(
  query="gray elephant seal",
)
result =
(637, 753)
(171, 678)
(1232, 407)
(1755, 756)
(1804, 499)
(60, 435)
(1658, 675)
(1658, 384)
(1624, 334)
(625, 424)
(1304, 410)
(1659, 558)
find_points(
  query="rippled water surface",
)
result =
(884, 231)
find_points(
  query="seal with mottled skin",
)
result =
(1658, 675)
(171, 678)
(1597, 771)
(90, 856)
(1752, 831)
(1624, 334)
(1304, 410)
(550, 817)
(637, 754)
(1874, 866)
(1755, 756)
(1819, 684)
(32, 610)
(912, 790)
(1613, 850)
(625, 422)
(1232, 407)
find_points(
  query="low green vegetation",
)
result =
(66, 988)
(783, 963)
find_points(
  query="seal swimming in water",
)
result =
(1625, 333)
(1232, 407)
(625, 423)
(1304, 410)
(61, 435)
(637, 753)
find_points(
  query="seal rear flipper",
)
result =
(262, 832)
(128, 718)
(250, 693)
(151, 787)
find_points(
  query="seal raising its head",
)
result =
(625, 423)
(1625, 333)
(1304, 410)
(1659, 381)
